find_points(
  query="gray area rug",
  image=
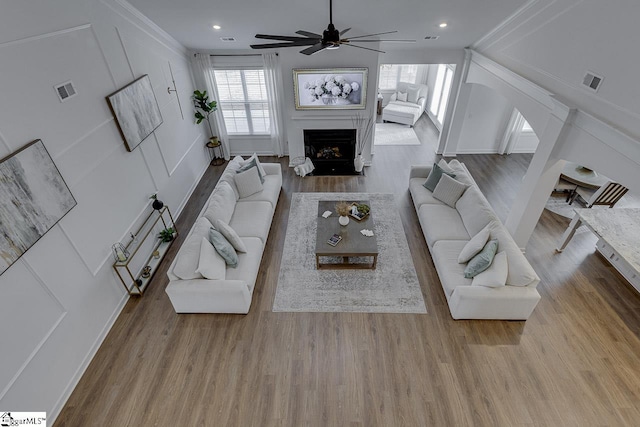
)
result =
(395, 134)
(392, 287)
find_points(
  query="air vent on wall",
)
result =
(65, 91)
(592, 81)
(228, 39)
(432, 37)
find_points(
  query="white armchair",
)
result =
(407, 104)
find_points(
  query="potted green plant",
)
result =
(166, 235)
(204, 108)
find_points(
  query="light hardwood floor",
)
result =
(575, 362)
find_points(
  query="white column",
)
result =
(539, 181)
(452, 126)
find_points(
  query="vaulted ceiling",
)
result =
(190, 21)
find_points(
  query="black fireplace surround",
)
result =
(331, 150)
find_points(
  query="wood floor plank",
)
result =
(574, 362)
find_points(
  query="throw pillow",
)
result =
(496, 275)
(223, 247)
(222, 203)
(434, 177)
(231, 235)
(188, 257)
(482, 260)
(445, 166)
(474, 245)
(211, 265)
(263, 172)
(402, 96)
(251, 164)
(248, 182)
(449, 190)
(413, 93)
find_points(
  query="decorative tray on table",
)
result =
(361, 211)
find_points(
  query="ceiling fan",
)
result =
(330, 39)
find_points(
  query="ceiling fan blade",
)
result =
(376, 34)
(284, 44)
(397, 41)
(313, 49)
(283, 38)
(362, 47)
(344, 31)
(309, 34)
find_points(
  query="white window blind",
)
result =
(243, 100)
(391, 74)
(441, 89)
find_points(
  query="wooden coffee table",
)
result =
(353, 243)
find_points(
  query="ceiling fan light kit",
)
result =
(330, 39)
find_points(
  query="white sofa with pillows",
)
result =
(483, 273)
(216, 267)
(407, 104)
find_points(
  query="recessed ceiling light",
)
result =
(216, 27)
(443, 25)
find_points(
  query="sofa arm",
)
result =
(420, 171)
(272, 168)
(422, 102)
(505, 303)
(209, 296)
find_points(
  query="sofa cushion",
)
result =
(474, 245)
(434, 177)
(461, 172)
(252, 219)
(248, 262)
(474, 210)
(230, 234)
(440, 222)
(189, 253)
(445, 166)
(449, 190)
(210, 265)
(223, 247)
(482, 260)
(229, 174)
(248, 182)
(445, 257)
(520, 271)
(496, 275)
(420, 194)
(222, 203)
(270, 191)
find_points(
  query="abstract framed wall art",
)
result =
(136, 111)
(330, 88)
(33, 198)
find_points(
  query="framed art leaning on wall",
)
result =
(330, 88)
(33, 198)
(136, 111)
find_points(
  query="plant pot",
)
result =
(157, 204)
(358, 163)
(343, 220)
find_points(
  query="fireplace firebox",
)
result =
(331, 150)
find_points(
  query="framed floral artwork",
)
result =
(331, 88)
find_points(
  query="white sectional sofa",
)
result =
(251, 218)
(406, 112)
(447, 230)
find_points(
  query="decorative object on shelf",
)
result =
(157, 204)
(146, 272)
(343, 209)
(156, 254)
(216, 152)
(120, 253)
(339, 88)
(33, 198)
(166, 235)
(363, 126)
(359, 211)
(204, 108)
(136, 111)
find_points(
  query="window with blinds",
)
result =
(391, 74)
(243, 101)
(440, 95)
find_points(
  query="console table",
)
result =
(618, 231)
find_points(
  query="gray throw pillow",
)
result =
(482, 261)
(223, 247)
(434, 177)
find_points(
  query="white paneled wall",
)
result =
(60, 299)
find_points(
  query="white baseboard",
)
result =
(477, 151)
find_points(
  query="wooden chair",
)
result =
(607, 195)
(566, 187)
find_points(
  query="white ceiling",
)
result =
(190, 21)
